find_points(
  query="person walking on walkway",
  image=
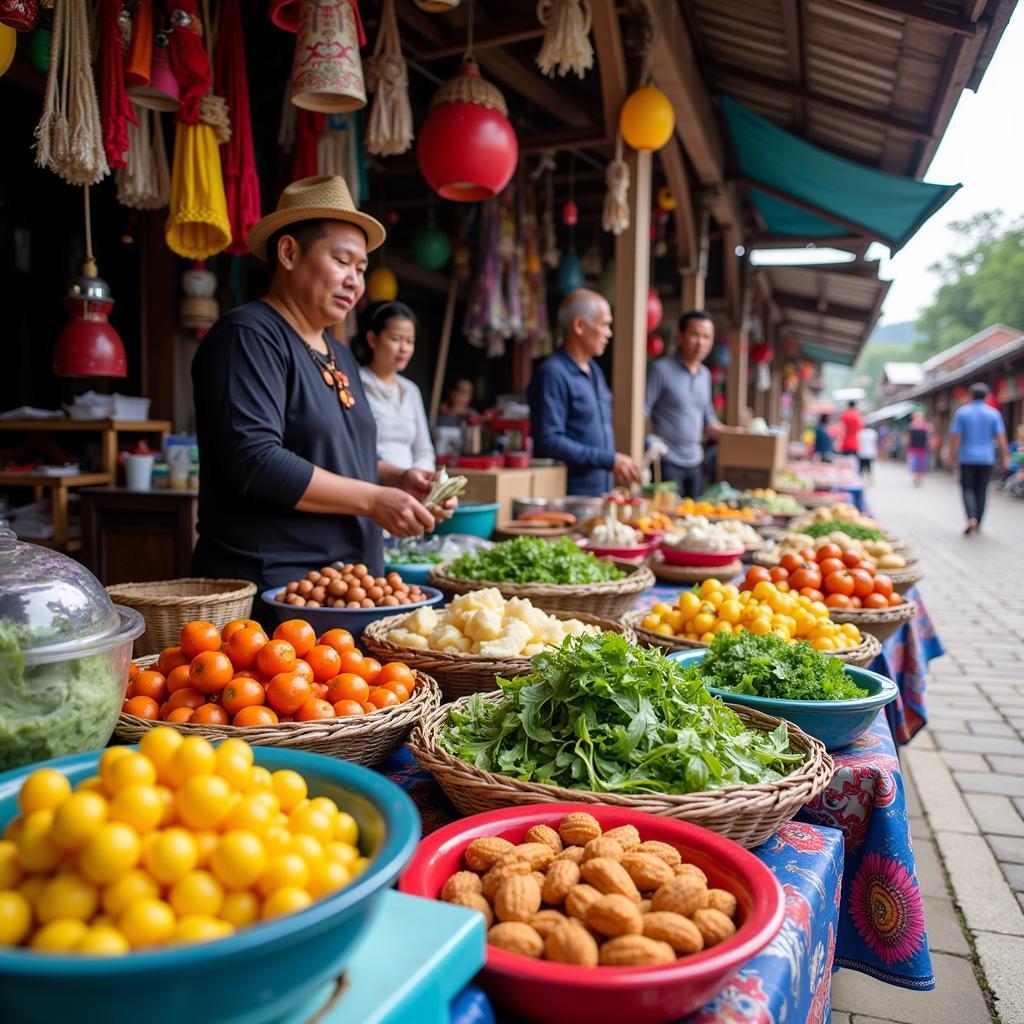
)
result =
(571, 403)
(975, 433)
(851, 423)
(918, 435)
(824, 449)
(867, 450)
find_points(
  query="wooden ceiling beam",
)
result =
(770, 84)
(674, 168)
(611, 62)
(912, 10)
(792, 26)
(489, 36)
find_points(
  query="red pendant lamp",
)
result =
(88, 346)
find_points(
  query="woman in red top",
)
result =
(852, 425)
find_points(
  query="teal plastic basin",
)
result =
(256, 976)
(476, 520)
(837, 723)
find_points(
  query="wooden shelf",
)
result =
(60, 480)
(123, 426)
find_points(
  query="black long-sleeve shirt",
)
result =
(264, 418)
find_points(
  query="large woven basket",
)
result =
(686, 575)
(361, 739)
(167, 605)
(879, 622)
(462, 674)
(860, 656)
(747, 814)
(610, 599)
(904, 579)
(511, 529)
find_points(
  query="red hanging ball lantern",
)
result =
(88, 346)
(655, 345)
(654, 310)
(762, 353)
(570, 214)
(467, 149)
(717, 374)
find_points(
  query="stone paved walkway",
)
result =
(965, 773)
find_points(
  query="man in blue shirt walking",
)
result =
(977, 429)
(571, 404)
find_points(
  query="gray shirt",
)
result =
(678, 404)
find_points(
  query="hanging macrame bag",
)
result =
(389, 131)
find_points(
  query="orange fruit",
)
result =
(243, 645)
(352, 661)
(210, 714)
(235, 625)
(170, 658)
(370, 670)
(187, 698)
(211, 671)
(319, 690)
(340, 639)
(305, 670)
(179, 715)
(368, 708)
(345, 708)
(198, 636)
(397, 671)
(314, 709)
(276, 656)
(179, 679)
(348, 686)
(299, 633)
(242, 692)
(324, 661)
(133, 671)
(381, 698)
(255, 716)
(142, 707)
(287, 692)
(400, 690)
(151, 684)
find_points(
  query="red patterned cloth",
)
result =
(115, 107)
(189, 61)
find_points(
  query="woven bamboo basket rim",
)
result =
(638, 578)
(907, 576)
(867, 650)
(512, 529)
(750, 812)
(425, 698)
(770, 558)
(862, 617)
(180, 593)
(694, 573)
(375, 640)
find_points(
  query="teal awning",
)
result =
(830, 196)
(825, 354)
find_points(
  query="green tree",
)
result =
(981, 285)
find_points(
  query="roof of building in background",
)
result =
(971, 357)
(896, 411)
(903, 374)
(987, 340)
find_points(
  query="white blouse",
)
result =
(403, 438)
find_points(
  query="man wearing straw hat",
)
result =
(289, 476)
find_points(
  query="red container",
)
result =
(702, 559)
(636, 551)
(517, 460)
(480, 462)
(554, 993)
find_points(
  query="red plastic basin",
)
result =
(706, 559)
(554, 993)
(632, 553)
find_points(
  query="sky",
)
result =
(983, 150)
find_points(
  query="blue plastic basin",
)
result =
(837, 723)
(256, 976)
(476, 520)
(411, 572)
(355, 620)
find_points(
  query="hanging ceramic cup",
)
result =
(21, 15)
(327, 73)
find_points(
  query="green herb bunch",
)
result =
(533, 560)
(768, 666)
(604, 715)
(854, 530)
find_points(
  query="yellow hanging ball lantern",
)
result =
(647, 119)
(382, 285)
(666, 201)
(8, 44)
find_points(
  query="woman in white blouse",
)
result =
(403, 438)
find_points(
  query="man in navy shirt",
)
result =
(977, 429)
(571, 404)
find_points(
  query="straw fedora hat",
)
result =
(322, 198)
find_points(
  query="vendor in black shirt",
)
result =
(289, 478)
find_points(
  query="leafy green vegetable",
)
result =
(400, 557)
(768, 666)
(854, 530)
(533, 560)
(607, 716)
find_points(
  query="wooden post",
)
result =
(632, 281)
(736, 378)
(158, 315)
(796, 424)
(695, 276)
(442, 348)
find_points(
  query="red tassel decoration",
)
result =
(115, 107)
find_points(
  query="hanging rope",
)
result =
(566, 46)
(213, 109)
(145, 183)
(69, 135)
(89, 268)
(389, 130)
(615, 217)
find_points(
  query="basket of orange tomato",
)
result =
(289, 689)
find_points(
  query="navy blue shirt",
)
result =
(571, 418)
(264, 419)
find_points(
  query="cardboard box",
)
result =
(505, 485)
(751, 456)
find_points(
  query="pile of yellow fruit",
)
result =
(689, 507)
(715, 607)
(175, 842)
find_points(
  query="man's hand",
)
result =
(400, 513)
(625, 470)
(419, 483)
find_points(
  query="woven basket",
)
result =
(747, 814)
(167, 605)
(610, 599)
(360, 739)
(904, 579)
(511, 530)
(688, 574)
(860, 656)
(879, 622)
(462, 674)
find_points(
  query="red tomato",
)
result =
(855, 602)
(829, 550)
(839, 583)
(876, 601)
(895, 599)
(814, 595)
(756, 573)
(863, 584)
(829, 566)
(778, 574)
(883, 585)
(791, 562)
(806, 576)
(838, 601)
(851, 559)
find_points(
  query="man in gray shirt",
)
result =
(678, 403)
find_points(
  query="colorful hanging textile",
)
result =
(189, 59)
(285, 14)
(145, 182)
(309, 126)
(115, 107)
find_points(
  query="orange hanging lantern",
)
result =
(647, 119)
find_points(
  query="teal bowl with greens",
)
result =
(837, 723)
